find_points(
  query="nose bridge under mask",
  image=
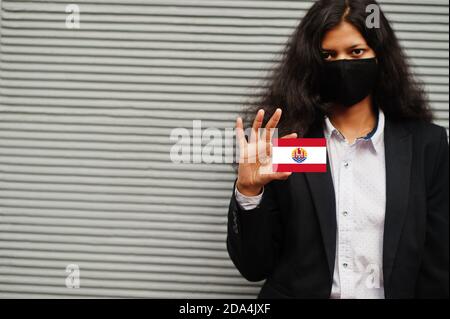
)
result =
(344, 76)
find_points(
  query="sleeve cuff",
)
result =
(247, 202)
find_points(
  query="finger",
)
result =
(241, 141)
(293, 135)
(268, 148)
(267, 178)
(275, 119)
(264, 152)
(257, 123)
(272, 124)
(240, 131)
(281, 176)
(269, 145)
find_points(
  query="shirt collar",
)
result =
(375, 136)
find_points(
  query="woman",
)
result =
(376, 224)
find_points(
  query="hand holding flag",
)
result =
(255, 163)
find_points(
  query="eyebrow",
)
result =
(352, 47)
(357, 45)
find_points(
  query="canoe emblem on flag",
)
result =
(299, 155)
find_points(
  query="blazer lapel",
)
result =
(398, 153)
(322, 190)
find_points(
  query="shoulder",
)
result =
(429, 148)
(425, 132)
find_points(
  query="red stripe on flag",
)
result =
(300, 168)
(298, 142)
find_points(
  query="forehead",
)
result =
(342, 37)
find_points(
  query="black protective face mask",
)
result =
(347, 82)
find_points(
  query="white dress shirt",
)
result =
(359, 178)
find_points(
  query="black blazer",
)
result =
(290, 238)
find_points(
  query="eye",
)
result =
(327, 55)
(358, 52)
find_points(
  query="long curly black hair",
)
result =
(293, 85)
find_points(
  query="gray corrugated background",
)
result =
(85, 118)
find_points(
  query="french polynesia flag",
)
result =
(299, 155)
